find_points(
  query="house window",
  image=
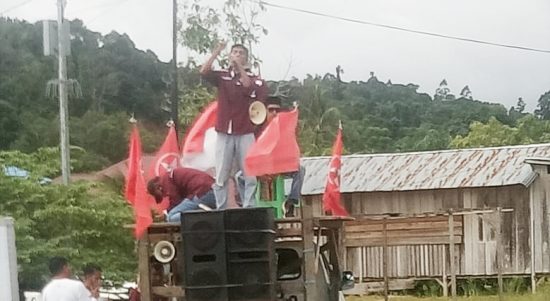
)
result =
(486, 231)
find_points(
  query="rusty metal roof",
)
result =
(478, 167)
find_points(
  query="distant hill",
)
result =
(117, 80)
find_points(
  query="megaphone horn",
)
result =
(164, 251)
(257, 112)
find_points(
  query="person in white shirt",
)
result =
(61, 288)
(92, 279)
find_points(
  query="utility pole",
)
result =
(63, 101)
(174, 98)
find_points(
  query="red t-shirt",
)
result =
(185, 183)
(134, 295)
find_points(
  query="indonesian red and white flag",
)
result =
(331, 197)
(135, 189)
(166, 160)
(199, 145)
(276, 150)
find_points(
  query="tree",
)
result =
(319, 122)
(116, 78)
(533, 130)
(204, 26)
(493, 133)
(517, 111)
(520, 105)
(83, 221)
(9, 123)
(443, 92)
(339, 72)
(543, 107)
(466, 93)
(424, 138)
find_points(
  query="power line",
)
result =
(14, 7)
(398, 28)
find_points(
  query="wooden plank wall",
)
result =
(540, 192)
(417, 246)
(477, 254)
(428, 230)
(416, 261)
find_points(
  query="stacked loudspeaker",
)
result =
(229, 255)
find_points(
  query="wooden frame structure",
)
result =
(318, 241)
(437, 234)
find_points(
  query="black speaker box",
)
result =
(204, 252)
(251, 266)
(250, 229)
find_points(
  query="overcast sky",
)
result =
(316, 45)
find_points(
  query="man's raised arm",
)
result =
(207, 66)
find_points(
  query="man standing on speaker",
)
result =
(186, 188)
(237, 89)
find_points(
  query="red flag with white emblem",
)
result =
(331, 197)
(199, 145)
(166, 160)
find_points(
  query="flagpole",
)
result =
(63, 97)
(174, 94)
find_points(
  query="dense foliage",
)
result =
(83, 221)
(118, 80)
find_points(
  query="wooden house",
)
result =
(415, 193)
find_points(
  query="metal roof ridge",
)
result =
(454, 150)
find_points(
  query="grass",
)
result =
(543, 294)
(525, 297)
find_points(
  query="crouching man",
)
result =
(187, 189)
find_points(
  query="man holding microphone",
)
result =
(237, 89)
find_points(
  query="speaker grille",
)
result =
(204, 250)
(251, 253)
(204, 285)
(250, 229)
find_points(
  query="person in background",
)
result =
(92, 279)
(237, 89)
(186, 188)
(134, 293)
(274, 106)
(61, 287)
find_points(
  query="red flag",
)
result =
(276, 150)
(198, 150)
(166, 160)
(135, 190)
(134, 166)
(142, 207)
(167, 157)
(331, 197)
